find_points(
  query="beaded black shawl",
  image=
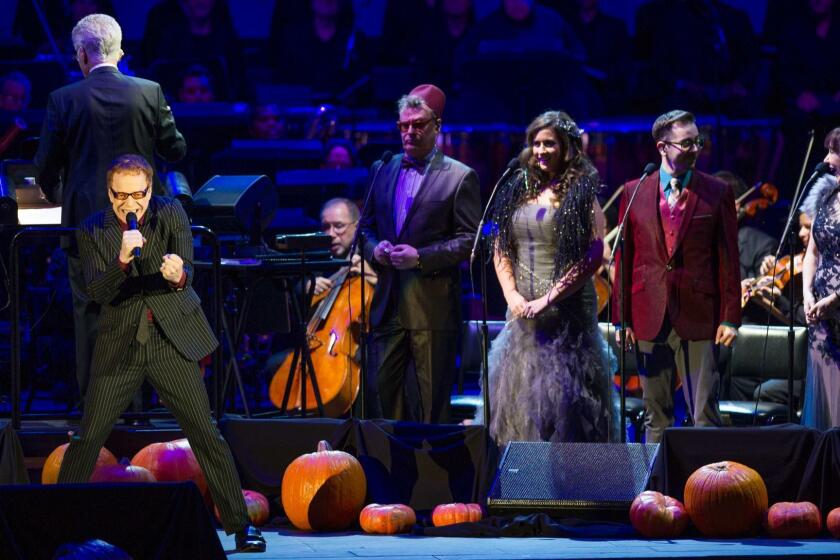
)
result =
(573, 220)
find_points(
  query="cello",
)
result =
(332, 336)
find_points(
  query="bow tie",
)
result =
(417, 165)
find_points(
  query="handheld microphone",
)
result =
(131, 220)
(512, 166)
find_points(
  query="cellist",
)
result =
(339, 220)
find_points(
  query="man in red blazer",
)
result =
(681, 279)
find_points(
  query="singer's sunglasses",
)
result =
(418, 124)
(688, 143)
(136, 195)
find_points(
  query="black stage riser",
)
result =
(581, 480)
(162, 520)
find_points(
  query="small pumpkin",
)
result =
(450, 514)
(257, 506)
(324, 491)
(52, 466)
(726, 499)
(832, 522)
(387, 519)
(657, 516)
(794, 520)
(122, 472)
(172, 461)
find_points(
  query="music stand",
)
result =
(302, 244)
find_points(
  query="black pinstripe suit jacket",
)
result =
(125, 297)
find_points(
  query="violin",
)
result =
(768, 196)
(778, 277)
(332, 336)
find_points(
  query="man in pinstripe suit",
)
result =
(151, 326)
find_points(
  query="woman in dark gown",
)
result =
(549, 377)
(821, 299)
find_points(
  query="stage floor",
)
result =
(286, 544)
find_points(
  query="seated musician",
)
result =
(339, 219)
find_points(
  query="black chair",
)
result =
(761, 353)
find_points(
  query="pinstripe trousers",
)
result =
(178, 382)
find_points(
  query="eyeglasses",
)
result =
(418, 124)
(688, 143)
(136, 195)
(338, 227)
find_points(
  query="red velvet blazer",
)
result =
(699, 285)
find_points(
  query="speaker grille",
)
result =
(540, 476)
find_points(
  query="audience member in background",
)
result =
(322, 50)
(454, 19)
(15, 92)
(266, 122)
(339, 154)
(698, 53)
(196, 31)
(608, 51)
(61, 16)
(196, 86)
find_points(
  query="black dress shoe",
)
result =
(249, 539)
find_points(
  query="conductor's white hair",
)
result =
(99, 35)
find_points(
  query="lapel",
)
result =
(427, 184)
(391, 173)
(690, 207)
(650, 204)
(112, 233)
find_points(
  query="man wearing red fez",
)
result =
(419, 227)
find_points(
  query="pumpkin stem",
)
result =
(324, 445)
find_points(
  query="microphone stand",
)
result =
(363, 331)
(790, 236)
(485, 333)
(618, 244)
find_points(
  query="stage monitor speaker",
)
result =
(235, 203)
(582, 480)
(157, 520)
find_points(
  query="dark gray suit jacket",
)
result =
(91, 122)
(125, 297)
(441, 225)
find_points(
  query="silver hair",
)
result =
(414, 102)
(99, 35)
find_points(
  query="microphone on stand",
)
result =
(131, 220)
(819, 170)
(649, 168)
(512, 166)
(387, 155)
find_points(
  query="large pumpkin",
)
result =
(49, 474)
(324, 491)
(450, 514)
(794, 520)
(657, 516)
(122, 472)
(257, 506)
(171, 461)
(387, 519)
(832, 522)
(726, 499)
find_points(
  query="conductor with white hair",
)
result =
(87, 125)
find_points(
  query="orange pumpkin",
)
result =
(257, 506)
(726, 499)
(387, 519)
(657, 516)
(122, 472)
(794, 520)
(450, 514)
(832, 522)
(324, 491)
(49, 474)
(171, 461)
